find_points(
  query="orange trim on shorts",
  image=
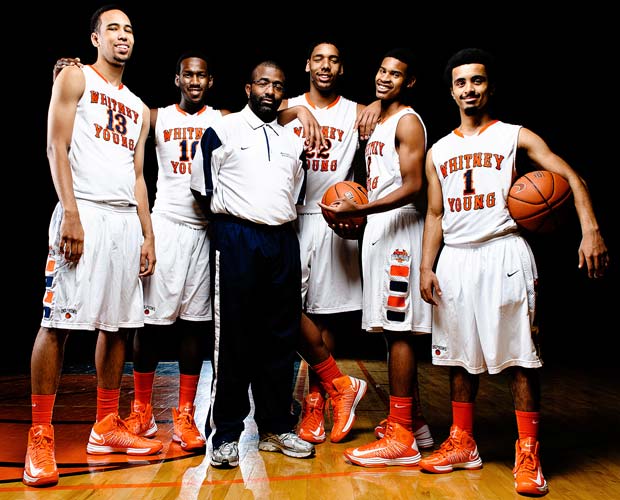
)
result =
(399, 271)
(50, 266)
(49, 297)
(394, 301)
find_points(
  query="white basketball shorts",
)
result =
(102, 291)
(330, 268)
(485, 315)
(180, 286)
(391, 252)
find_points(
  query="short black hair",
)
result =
(270, 63)
(190, 53)
(320, 41)
(95, 19)
(470, 56)
(406, 55)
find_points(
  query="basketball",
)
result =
(538, 201)
(344, 189)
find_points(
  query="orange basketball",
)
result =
(345, 189)
(538, 201)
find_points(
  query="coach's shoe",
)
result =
(185, 431)
(288, 443)
(40, 464)
(225, 456)
(397, 447)
(110, 435)
(345, 393)
(141, 421)
(312, 425)
(459, 451)
(422, 434)
(528, 475)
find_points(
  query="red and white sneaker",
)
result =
(345, 393)
(312, 425)
(397, 447)
(422, 434)
(459, 451)
(110, 435)
(528, 475)
(185, 431)
(40, 464)
(141, 421)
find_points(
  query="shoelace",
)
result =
(446, 447)
(526, 461)
(227, 448)
(42, 448)
(184, 421)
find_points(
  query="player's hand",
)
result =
(593, 254)
(342, 207)
(429, 284)
(63, 62)
(348, 231)
(147, 257)
(367, 119)
(312, 132)
(71, 237)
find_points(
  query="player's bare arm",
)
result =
(147, 252)
(66, 92)
(367, 118)
(592, 249)
(433, 235)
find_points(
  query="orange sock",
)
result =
(527, 423)
(463, 416)
(327, 370)
(42, 408)
(188, 385)
(107, 402)
(143, 386)
(400, 411)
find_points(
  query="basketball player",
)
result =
(101, 241)
(391, 249)
(483, 290)
(331, 283)
(248, 175)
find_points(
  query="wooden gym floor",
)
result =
(579, 435)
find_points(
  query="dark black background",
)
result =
(556, 79)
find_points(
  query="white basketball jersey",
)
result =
(177, 135)
(334, 163)
(382, 162)
(106, 130)
(476, 173)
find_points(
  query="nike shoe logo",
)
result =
(96, 438)
(373, 451)
(34, 470)
(317, 432)
(539, 480)
(512, 274)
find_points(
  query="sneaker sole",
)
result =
(187, 446)
(381, 462)
(95, 449)
(39, 481)
(288, 452)
(444, 469)
(224, 464)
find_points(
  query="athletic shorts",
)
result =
(330, 268)
(102, 291)
(485, 316)
(391, 251)
(179, 288)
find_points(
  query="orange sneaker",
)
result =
(312, 425)
(141, 421)
(527, 472)
(345, 393)
(422, 434)
(397, 447)
(459, 451)
(110, 435)
(40, 464)
(185, 431)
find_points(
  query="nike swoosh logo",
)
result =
(372, 243)
(362, 453)
(317, 432)
(243, 148)
(512, 274)
(399, 406)
(539, 479)
(96, 438)
(34, 470)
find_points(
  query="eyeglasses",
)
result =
(263, 83)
